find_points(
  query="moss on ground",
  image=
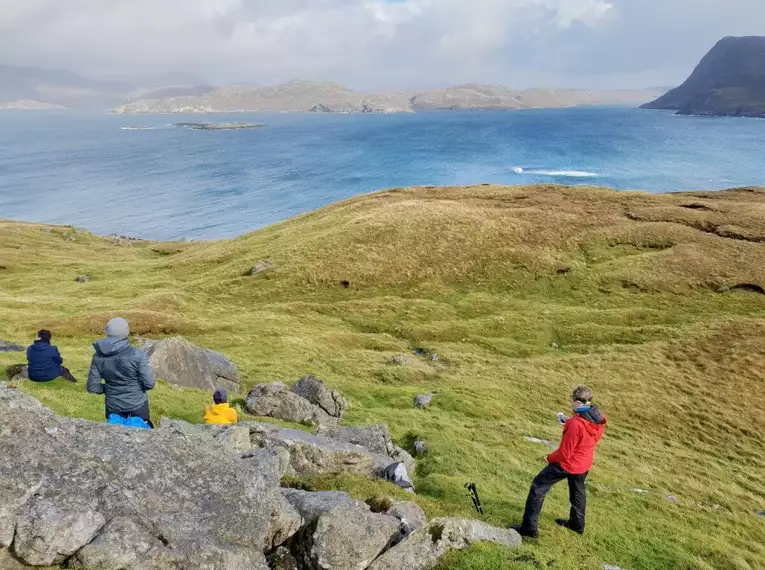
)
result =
(655, 301)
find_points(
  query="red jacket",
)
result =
(577, 447)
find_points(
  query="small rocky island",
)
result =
(729, 81)
(218, 126)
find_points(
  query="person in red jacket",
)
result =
(571, 461)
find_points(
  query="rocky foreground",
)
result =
(89, 495)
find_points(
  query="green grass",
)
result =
(524, 293)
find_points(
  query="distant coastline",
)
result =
(325, 97)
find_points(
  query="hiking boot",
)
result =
(524, 532)
(66, 375)
(564, 524)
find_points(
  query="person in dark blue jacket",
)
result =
(44, 362)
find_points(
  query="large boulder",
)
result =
(314, 455)
(275, 400)
(286, 521)
(376, 438)
(6, 346)
(409, 514)
(182, 363)
(316, 392)
(232, 437)
(425, 546)
(83, 493)
(349, 537)
(312, 505)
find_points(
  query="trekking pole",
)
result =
(473, 494)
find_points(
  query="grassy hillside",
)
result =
(655, 301)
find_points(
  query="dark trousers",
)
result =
(62, 373)
(542, 484)
(142, 412)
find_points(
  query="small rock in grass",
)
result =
(549, 444)
(261, 266)
(761, 513)
(6, 346)
(83, 278)
(71, 238)
(611, 567)
(434, 357)
(423, 400)
(640, 491)
(420, 447)
(672, 499)
(400, 360)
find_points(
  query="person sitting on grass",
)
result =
(44, 362)
(571, 461)
(126, 373)
(221, 412)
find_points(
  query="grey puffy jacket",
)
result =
(125, 371)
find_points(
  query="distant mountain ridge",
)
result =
(328, 97)
(729, 81)
(38, 88)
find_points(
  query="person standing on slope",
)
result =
(125, 370)
(571, 461)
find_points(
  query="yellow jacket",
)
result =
(220, 414)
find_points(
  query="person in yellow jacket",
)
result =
(221, 412)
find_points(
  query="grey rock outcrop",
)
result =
(348, 537)
(312, 505)
(316, 392)
(425, 546)
(275, 400)
(286, 521)
(84, 492)
(410, 516)
(182, 363)
(282, 559)
(6, 346)
(423, 400)
(376, 438)
(313, 454)
(235, 437)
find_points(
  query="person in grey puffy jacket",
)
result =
(125, 370)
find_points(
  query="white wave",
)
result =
(569, 173)
(558, 173)
(138, 128)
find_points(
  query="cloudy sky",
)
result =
(376, 44)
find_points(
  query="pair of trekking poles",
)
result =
(473, 494)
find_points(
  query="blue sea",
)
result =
(162, 182)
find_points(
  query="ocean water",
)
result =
(162, 182)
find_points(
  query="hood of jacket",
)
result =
(40, 345)
(110, 345)
(594, 422)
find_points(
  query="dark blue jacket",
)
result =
(126, 373)
(44, 362)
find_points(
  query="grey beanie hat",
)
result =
(118, 327)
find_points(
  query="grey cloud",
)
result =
(378, 43)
